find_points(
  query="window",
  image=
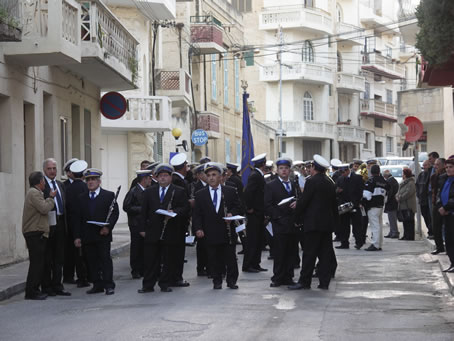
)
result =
(389, 52)
(339, 62)
(87, 136)
(389, 144)
(308, 52)
(367, 144)
(389, 96)
(227, 149)
(63, 142)
(308, 107)
(238, 152)
(226, 80)
(284, 147)
(157, 148)
(6, 135)
(339, 15)
(308, 3)
(367, 90)
(237, 85)
(213, 78)
(378, 123)
(242, 5)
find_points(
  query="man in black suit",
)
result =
(78, 261)
(94, 206)
(283, 222)
(132, 205)
(55, 248)
(318, 207)
(69, 175)
(349, 188)
(162, 233)
(145, 164)
(212, 204)
(254, 196)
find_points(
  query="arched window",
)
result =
(339, 14)
(339, 62)
(308, 107)
(308, 52)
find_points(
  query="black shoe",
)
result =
(37, 297)
(436, 252)
(62, 293)
(342, 247)
(403, 238)
(251, 270)
(240, 252)
(135, 275)
(323, 287)
(261, 269)
(298, 286)
(69, 281)
(217, 286)
(358, 247)
(50, 293)
(388, 236)
(166, 289)
(202, 273)
(180, 284)
(450, 269)
(372, 248)
(83, 284)
(395, 236)
(232, 286)
(145, 290)
(290, 282)
(275, 285)
(110, 291)
(95, 290)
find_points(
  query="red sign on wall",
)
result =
(415, 129)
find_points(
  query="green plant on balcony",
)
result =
(9, 26)
(7, 19)
(133, 65)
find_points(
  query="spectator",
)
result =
(391, 205)
(406, 197)
(437, 219)
(422, 195)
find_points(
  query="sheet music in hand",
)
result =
(235, 217)
(166, 213)
(286, 200)
(97, 223)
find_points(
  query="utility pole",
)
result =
(281, 131)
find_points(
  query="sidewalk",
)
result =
(444, 263)
(12, 277)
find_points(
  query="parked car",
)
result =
(399, 160)
(396, 171)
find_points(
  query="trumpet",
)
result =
(363, 172)
(166, 219)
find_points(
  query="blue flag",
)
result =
(247, 148)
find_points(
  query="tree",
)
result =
(435, 39)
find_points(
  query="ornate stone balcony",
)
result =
(350, 83)
(207, 34)
(346, 133)
(375, 62)
(378, 109)
(302, 72)
(348, 34)
(310, 129)
(176, 85)
(209, 121)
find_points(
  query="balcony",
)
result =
(297, 16)
(372, 18)
(10, 25)
(50, 34)
(209, 121)
(156, 9)
(378, 109)
(146, 114)
(406, 52)
(349, 34)
(386, 67)
(176, 85)
(302, 72)
(207, 34)
(350, 83)
(309, 129)
(351, 134)
(109, 51)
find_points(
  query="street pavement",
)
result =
(396, 294)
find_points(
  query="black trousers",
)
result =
(317, 245)
(409, 229)
(160, 263)
(202, 255)
(284, 257)
(222, 257)
(437, 229)
(136, 256)
(355, 220)
(180, 252)
(55, 256)
(100, 264)
(254, 231)
(36, 245)
(70, 256)
(425, 212)
(449, 237)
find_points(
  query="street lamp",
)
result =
(176, 133)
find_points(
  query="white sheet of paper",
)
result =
(235, 217)
(52, 215)
(240, 228)
(97, 223)
(190, 239)
(166, 213)
(269, 227)
(286, 200)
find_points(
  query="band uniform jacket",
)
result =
(47, 190)
(318, 205)
(254, 192)
(89, 233)
(282, 217)
(197, 186)
(72, 200)
(206, 218)
(132, 205)
(352, 189)
(152, 223)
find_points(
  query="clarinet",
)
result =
(296, 184)
(229, 228)
(166, 219)
(112, 205)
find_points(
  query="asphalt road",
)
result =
(396, 294)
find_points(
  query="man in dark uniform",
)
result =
(79, 262)
(283, 222)
(349, 188)
(212, 204)
(55, 248)
(143, 165)
(162, 233)
(93, 224)
(318, 207)
(132, 205)
(254, 194)
(180, 164)
(70, 175)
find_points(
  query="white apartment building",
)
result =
(52, 75)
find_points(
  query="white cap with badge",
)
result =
(78, 166)
(321, 162)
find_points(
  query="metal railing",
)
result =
(373, 105)
(386, 63)
(205, 19)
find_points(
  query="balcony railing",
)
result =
(176, 85)
(350, 83)
(207, 34)
(384, 66)
(348, 33)
(148, 114)
(351, 134)
(295, 16)
(304, 72)
(209, 122)
(313, 129)
(378, 109)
